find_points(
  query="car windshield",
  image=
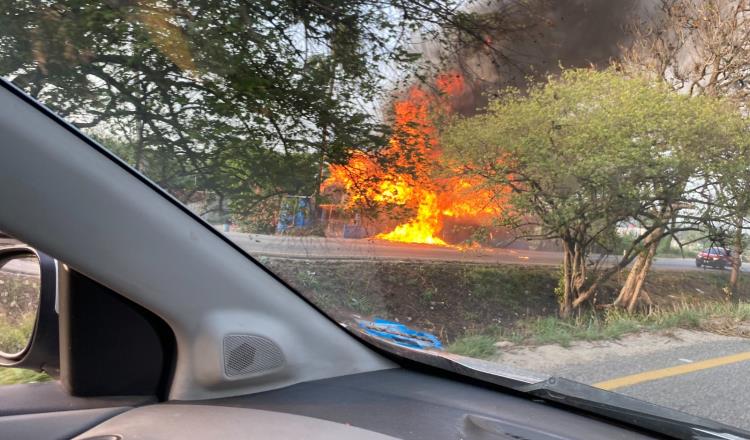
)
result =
(533, 183)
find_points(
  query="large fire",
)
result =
(411, 174)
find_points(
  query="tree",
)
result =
(228, 87)
(697, 47)
(730, 197)
(587, 152)
(701, 48)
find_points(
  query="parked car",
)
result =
(714, 257)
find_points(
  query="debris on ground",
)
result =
(400, 334)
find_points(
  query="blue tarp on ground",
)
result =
(400, 334)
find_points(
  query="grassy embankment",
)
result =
(726, 318)
(472, 306)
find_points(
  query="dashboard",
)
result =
(394, 403)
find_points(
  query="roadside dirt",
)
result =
(553, 357)
(452, 299)
(446, 299)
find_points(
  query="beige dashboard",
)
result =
(188, 422)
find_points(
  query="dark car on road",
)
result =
(714, 257)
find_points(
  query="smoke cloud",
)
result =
(525, 40)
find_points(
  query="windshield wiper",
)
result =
(617, 407)
(631, 411)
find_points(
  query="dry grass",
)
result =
(732, 319)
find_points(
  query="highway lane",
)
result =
(374, 249)
(697, 372)
(708, 379)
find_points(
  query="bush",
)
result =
(11, 376)
(13, 338)
(14, 335)
(615, 323)
(476, 346)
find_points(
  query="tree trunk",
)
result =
(637, 287)
(734, 277)
(579, 270)
(140, 127)
(574, 276)
(138, 154)
(566, 302)
(627, 288)
(321, 167)
(323, 147)
(632, 290)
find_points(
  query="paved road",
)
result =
(718, 388)
(332, 248)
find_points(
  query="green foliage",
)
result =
(665, 249)
(487, 283)
(248, 99)
(19, 294)
(429, 293)
(685, 317)
(513, 289)
(503, 286)
(583, 153)
(332, 287)
(16, 327)
(19, 299)
(476, 346)
(12, 376)
(615, 323)
(589, 327)
(560, 288)
(588, 149)
(361, 304)
(614, 243)
(261, 218)
(15, 334)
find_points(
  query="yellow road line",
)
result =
(648, 376)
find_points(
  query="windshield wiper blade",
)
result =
(632, 411)
(614, 406)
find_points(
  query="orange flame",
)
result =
(423, 227)
(414, 147)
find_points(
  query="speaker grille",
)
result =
(247, 354)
